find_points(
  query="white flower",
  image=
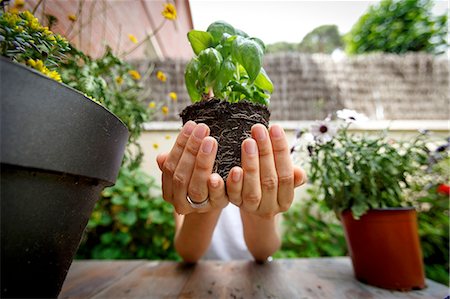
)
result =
(323, 131)
(351, 116)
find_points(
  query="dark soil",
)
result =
(230, 124)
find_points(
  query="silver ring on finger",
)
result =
(197, 205)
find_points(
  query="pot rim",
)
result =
(29, 69)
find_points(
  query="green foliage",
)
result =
(361, 172)
(311, 230)
(323, 39)
(116, 85)
(22, 37)
(396, 26)
(229, 63)
(434, 213)
(129, 222)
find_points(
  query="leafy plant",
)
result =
(396, 26)
(430, 193)
(229, 64)
(24, 40)
(130, 222)
(310, 230)
(361, 172)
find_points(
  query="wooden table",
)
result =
(290, 278)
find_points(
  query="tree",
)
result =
(323, 39)
(397, 26)
(281, 47)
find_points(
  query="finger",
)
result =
(300, 177)
(251, 190)
(268, 173)
(185, 167)
(160, 159)
(234, 186)
(168, 168)
(216, 188)
(283, 165)
(198, 185)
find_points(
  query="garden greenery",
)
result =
(228, 63)
(397, 26)
(24, 40)
(128, 221)
(359, 172)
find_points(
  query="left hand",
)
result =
(265, 184)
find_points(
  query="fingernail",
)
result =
(250, 147)
(236, 176)
(214, 182)
(188, 127)
(207, 146)
(276, 131)
(200, 131)
(260, 133)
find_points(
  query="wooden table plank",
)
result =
(151, 280)
(290, 278)
(87, 278)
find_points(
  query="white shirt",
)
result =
(228, 238)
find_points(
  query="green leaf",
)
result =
(249, 54)
(227, 70)
(263, 81)
(260, 43)
(191, 80)
(240, 33)
(217, 29)
(128, 217)
(200, 40)
(210, 62)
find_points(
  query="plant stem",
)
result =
(36, 6)
(148, 37)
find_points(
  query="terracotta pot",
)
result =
(385, 249)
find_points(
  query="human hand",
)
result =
(265, 183)
(187, 171)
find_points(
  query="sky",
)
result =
(290, 21)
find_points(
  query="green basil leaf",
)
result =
(217, 29)
(260, 43)
(200, 40)
(249, 54)
(210, 62)
(263, 81)
(240, 33)
(227, 71)
(191, 81)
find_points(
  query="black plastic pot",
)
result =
(59, 150)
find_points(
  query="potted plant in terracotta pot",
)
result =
(59, 149)
(229, 88)
(363, 179)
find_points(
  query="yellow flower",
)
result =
(31, 62)
(132, 38)
(54, 75)
(151, 105)
(165, 110)
(155, 145)
(161, 76)
(169, 11)
(72, 17)
(13, 10)
(134, 74)
(19, 3)
(119, 80)
(173, 96)
(167, 137)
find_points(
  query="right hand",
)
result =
(187, 170)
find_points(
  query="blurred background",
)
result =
(387, 59)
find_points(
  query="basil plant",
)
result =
(228, 63)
